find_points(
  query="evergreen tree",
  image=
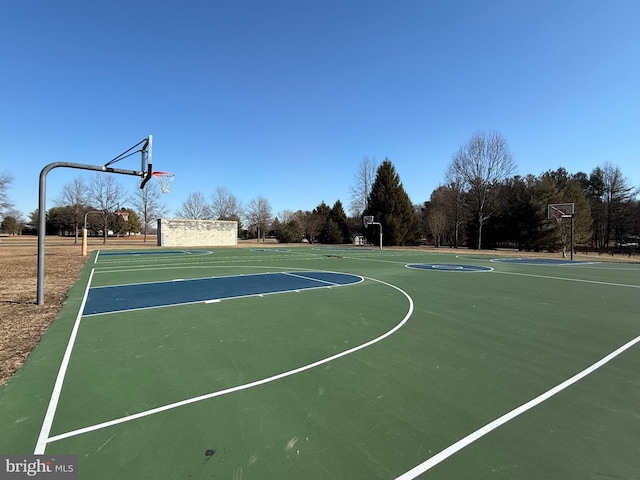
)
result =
(391, 207)
(330, 233)
(11, 225)
(62, 220)
(338, 216)
(290, 232)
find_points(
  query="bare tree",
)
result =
(363, 180)
(5, 181)
(312, 222)
(618, 195)
(482, 164)
(149, 206)
(285, 215)
(107, 195)
(225, 205)
(438, 219)
(17, 214)
(195, 207)
(457, 198)
(74, 195)
(259, 216)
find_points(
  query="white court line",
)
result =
(481, 432)
(116, 268)
(334, 284)
(532, 261)
(247, 385)
(195, 279)
(43, 438)
(596, 282)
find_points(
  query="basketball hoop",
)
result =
(165, 179)
(558, 211)
(367, 220)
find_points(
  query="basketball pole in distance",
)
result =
(572, 248)
(84, 232)
(558, 211)
(368, 220)
(42, 202)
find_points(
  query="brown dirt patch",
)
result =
(22, 321)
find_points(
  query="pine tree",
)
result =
(340, 217)
(391, 207)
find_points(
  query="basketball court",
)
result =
(304, 363)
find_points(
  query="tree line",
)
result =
(482, 203)
(101, 204)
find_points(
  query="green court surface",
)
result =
(258, 364)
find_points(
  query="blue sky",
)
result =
(283, 99)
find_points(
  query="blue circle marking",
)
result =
(448, 267)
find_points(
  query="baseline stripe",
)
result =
(481, 432)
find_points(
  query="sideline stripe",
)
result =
(43, 438)
(569, 279)
(469, 439)
(246, 386)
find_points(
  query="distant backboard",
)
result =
(558, 211)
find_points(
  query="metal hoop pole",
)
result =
(572, 216)
(380, 225)
(42, 214)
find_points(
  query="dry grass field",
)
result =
(22, 322)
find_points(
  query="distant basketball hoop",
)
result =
(560, 211)
(368, 220)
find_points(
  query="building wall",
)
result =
(181, 232)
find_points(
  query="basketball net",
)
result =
(165, 179)
(558, 214)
